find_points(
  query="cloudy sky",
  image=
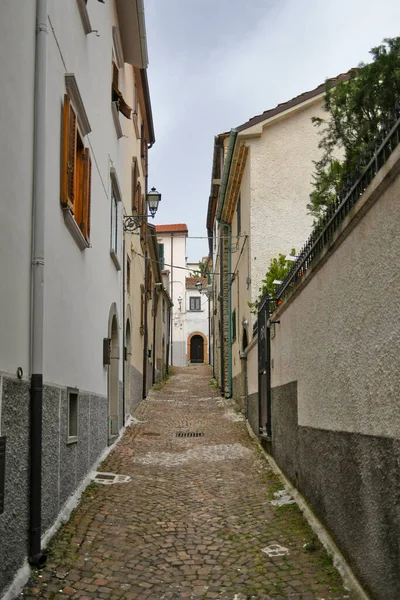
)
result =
(216, 63)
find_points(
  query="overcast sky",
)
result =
(216, 63)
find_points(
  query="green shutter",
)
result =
(161, 255)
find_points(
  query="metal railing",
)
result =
(387, 139)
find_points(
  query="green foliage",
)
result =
(356, 110)
(278, 269)
(201, 271)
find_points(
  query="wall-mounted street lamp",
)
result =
(199, 286)
(133, 222)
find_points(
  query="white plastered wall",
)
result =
(281, 174)
(16, 126)
(80, 286)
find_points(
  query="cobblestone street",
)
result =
(195, 520)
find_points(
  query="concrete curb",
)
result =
(349, 579)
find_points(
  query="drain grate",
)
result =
(151, 434)
(189, 434)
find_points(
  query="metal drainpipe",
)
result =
(36, 557)
(229, 315)
(172, 298)
(221, 312)
(146, 333)
(123, 333)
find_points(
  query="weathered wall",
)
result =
(335, 417)
(281, 175)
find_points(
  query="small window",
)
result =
(72, 415)
(194, 303)
(234, 325)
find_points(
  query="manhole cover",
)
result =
(189, 434)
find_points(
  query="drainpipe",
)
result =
(36, 557)
(155, 305)
(123, 333)
(146, 333)
(172, 298)
(229, 315)
(221, 312)
(220, 206)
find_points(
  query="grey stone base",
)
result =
(64, 465)
(14, 522)
(351, 482)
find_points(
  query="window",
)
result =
(114, 221)
(72, 415)
(143, 150)
(142, 300)
(194, 303)
(76, 173)
(135, 185)
(161, 256)
(135, 114)
(116, 95)
(233, 325)
(115, 233)
(128, 274)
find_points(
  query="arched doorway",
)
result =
(113, 379)
(127, 369)
(196, 349)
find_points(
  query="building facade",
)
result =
(189, 315)
(73, 357)
(260, 184)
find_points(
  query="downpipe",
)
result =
(36, 557)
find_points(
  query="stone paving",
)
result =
(195, 519)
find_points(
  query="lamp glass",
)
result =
(153, 199)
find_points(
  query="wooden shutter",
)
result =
(135, 174)
(139, 198)
(68, 158)
(115, 75)
(86, 200)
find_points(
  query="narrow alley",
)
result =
(195, 517)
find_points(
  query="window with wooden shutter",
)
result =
(86, 197)
(116, 95)
(68, 169)
(76, 172)
(139, 198)
(135, 183)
